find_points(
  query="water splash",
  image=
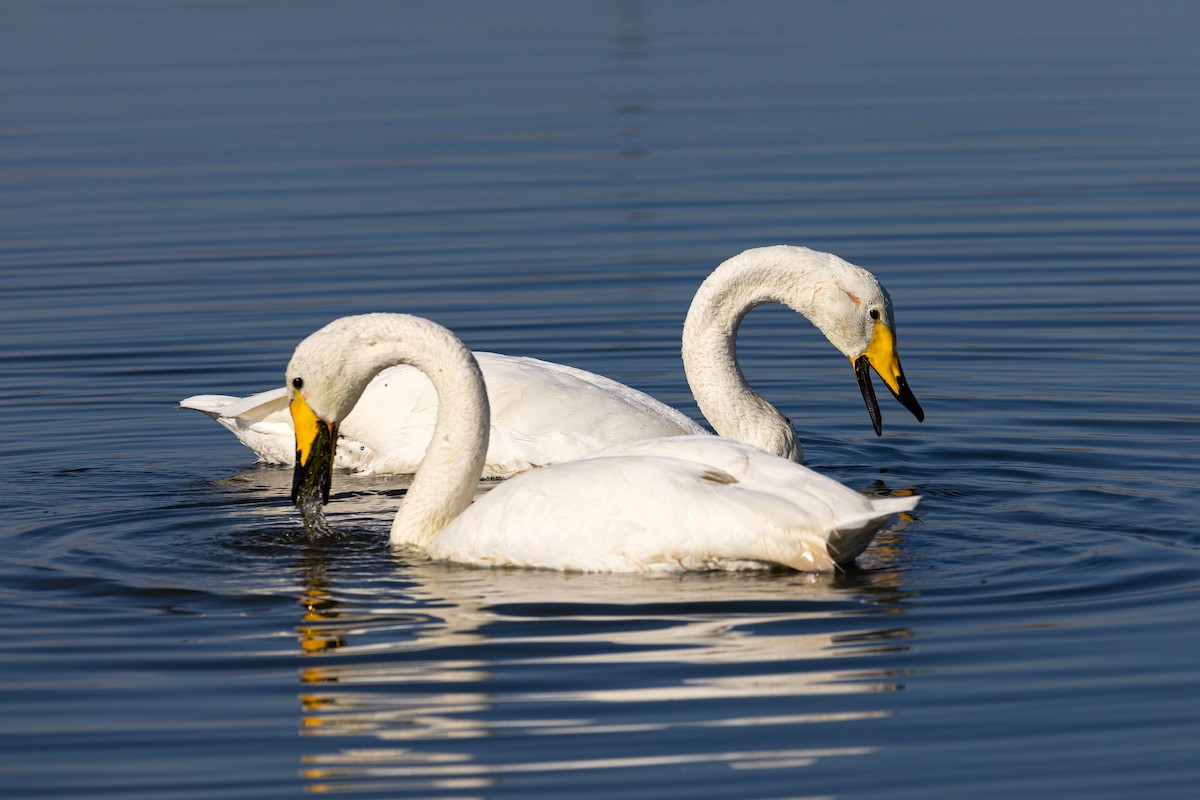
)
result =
(312, 512)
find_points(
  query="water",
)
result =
(189, 188)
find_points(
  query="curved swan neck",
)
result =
(781, 274)
(355, 350)
(445, 482)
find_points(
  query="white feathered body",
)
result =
(542, 413)
(684, 502)
(545, 413)
(667, 505)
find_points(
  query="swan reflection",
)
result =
(424, 678)
(401, 662)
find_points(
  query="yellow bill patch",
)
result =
(881, 352)
(307, 427)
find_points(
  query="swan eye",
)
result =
(874, 314)
(298, 383)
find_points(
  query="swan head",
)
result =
(325, 378)
(855, 314)
(880, 355)
(847, 304)
(330, 370)
(316, 442)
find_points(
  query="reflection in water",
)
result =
(441, 654)
(427, 678)
(441, 680)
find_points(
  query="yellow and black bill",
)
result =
(881, 356)
(316, 441)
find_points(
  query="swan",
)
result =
(542, 413)
(679, 503)
(545, 413)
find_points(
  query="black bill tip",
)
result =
(909, 400)
(312, 479)
(862, 371)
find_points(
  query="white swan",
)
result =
(542, 413)
(545, 413)
(677, 503)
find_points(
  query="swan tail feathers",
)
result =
(894, 505)
(211, 404)
(258, 407)
(255, 408)
(852, 535)
(260, 422)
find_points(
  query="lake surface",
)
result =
(187, 189)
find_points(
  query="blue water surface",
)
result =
(189, 188)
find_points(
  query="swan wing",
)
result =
(546, 413)
(542, 413)
(658, 512)
(260, 422)
(630, 413)
(211, 404)
(750, 465)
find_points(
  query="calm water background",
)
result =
(189, 188)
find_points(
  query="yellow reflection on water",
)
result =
(372, 671)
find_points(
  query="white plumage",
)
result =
(686, 503)
(545, 413)
(542, 413)
(669, 504)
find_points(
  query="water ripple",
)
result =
(594, 667)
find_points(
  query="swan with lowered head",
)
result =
(669, 504)
(545, 413)
(542, 413)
